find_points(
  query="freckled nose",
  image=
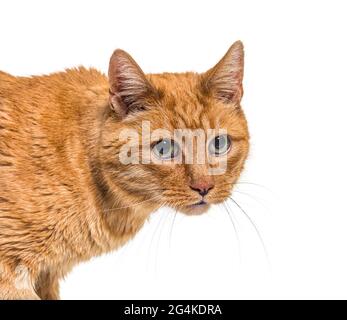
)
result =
(202, 186)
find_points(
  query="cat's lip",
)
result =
(200, 203)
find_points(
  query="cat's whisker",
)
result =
(133, 205)
(155, 232)
(171, 229)
(158, 241)
(235, 230)
(176, 194)
(253, 198)
(254, 227)
(253, 184)
(174, 203)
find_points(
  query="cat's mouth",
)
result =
(200, 203)
(197, 208)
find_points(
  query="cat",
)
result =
(65, 193)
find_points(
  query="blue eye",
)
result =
(220, 145)
(166, 149)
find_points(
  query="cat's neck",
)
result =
(120, 212)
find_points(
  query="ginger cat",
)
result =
(65, 193)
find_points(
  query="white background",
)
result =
(295, 100)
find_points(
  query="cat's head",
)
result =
(148, 155)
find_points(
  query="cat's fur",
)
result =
(64, 195)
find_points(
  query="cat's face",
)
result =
(148, 154)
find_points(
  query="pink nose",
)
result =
(202, 186)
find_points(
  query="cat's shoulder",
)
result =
(6, 78)
(83, 75)
(5, 75)
(78, 74)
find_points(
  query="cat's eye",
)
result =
(220, 145)
(166, 149)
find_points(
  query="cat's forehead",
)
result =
(182, 103)
(177, 85)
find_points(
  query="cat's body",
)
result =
(50, 214)
(63, 197)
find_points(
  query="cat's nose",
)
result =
(202, 187)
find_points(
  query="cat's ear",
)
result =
(224, 80)
(129, 87)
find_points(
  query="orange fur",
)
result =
(64, 195)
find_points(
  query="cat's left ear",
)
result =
(224, 80)
(129, 87)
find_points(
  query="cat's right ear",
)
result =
(224, 80)
(129, 87)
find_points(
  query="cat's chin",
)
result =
(195, 210)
